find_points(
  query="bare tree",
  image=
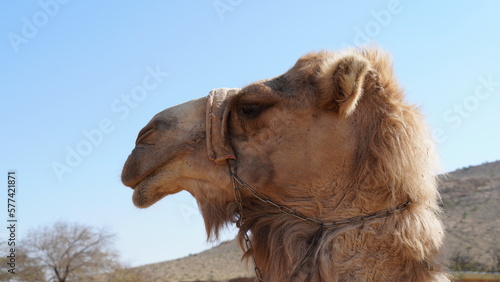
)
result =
(26, 268)
(71, 251)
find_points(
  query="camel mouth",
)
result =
(134, 172)
(131, 174)
(146, 193)
(132, 182)
(134, 179)
(150, 183)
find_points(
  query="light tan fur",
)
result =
(332, 138)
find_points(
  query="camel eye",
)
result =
(251, 111)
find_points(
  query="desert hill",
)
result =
(221, 263)
(471, 204)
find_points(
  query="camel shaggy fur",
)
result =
(331, 139)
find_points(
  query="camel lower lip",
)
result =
(140, 196)
(148, 191)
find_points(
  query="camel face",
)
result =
(282, 132)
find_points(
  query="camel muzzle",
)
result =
(218, 107)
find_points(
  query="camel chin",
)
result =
(153, 188)
(143, 197)
(146, 194)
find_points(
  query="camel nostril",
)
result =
(145, 132)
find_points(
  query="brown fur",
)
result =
(332, 138)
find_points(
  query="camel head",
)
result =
(331, 139)
(292, 137)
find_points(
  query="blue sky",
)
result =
(81, 78)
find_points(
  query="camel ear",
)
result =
(341, 83)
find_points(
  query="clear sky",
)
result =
(79, 79)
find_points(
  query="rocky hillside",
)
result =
(221, 263)
(471, 204)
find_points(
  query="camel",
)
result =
(328, 173)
